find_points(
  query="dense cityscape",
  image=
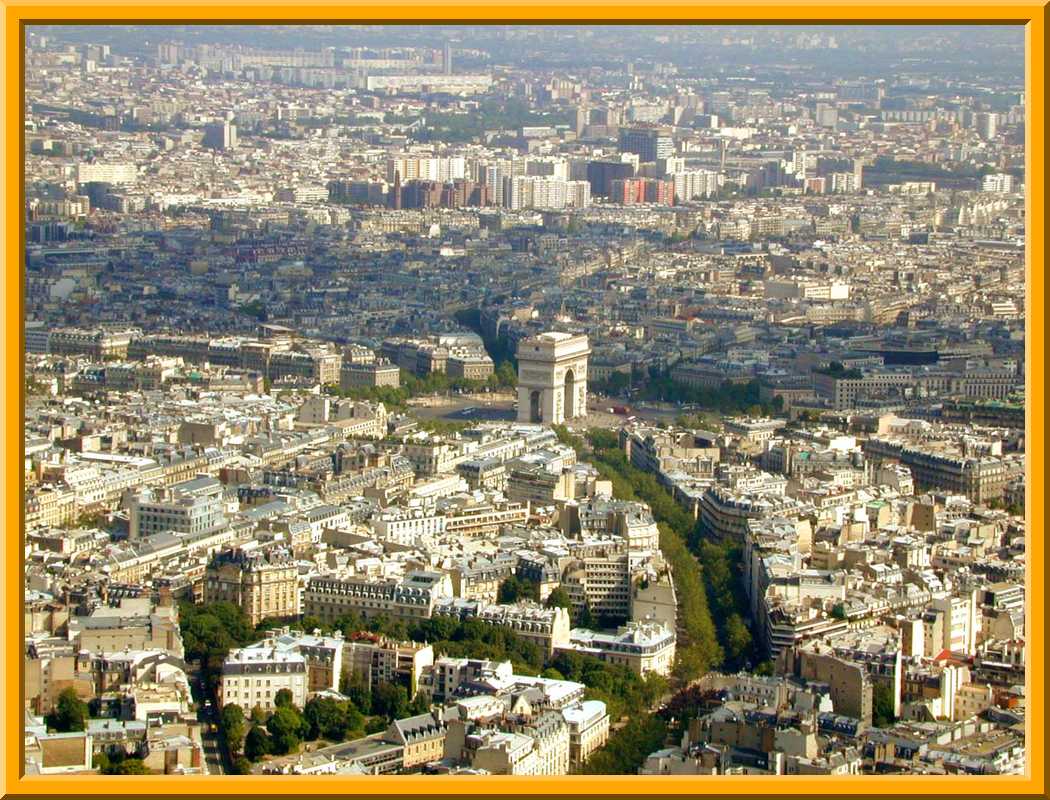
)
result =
(510, 400)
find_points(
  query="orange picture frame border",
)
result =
(17, 15)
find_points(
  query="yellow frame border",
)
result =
(1031, 14)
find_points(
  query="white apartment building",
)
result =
(253, 676)
(426, 168)
(541, 192)
(753, 430)
(997, 182)
(323, 654)
(643, 646)
(193, 506)
(329, 597)
(117, 173)
(952, 623)
(546, 627)
(551, 742)
(459, 84)
(694, 184)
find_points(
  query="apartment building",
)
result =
(500, 753)
(644, 647)
(329, 597)
(406, 525)
(422, 736)
(952, 623)
(262, 583)
(979, 477)
(100, 344)
(484, 519)
(538, 485)
(849, 684)
(754, 431)
(253, 676)
(365, 375)
(451, 677)
(193, 507)
(725, 513)
(588, 731)
(484, 473)
(474, 366)
(479, 581)
(323, 654)
(546, 627)
(383, 660)
(135, 623)
(551, 742)
(600, 581)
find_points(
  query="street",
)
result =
(208, 716)
(500, 407)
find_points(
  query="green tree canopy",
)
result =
(257, 743)
(70, 714)
(882, 715)
(513, 589)
(355, 687)
(559, 598)
(331, 719)
(129, 766)
(283, 698)
(285, 726)
(117, 762)
(234, 726)
(390, 700)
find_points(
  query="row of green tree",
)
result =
(886, 169)
(729, 398)
(1014, 508)
(614, 385)
(115, 761)
(628, 747)
(698, 650)
(209, 632)
(503, 377)
(728, 602)
(443, 427)
(624, 691)
(719, 564)
(448, 635)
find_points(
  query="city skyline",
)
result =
(525, 400)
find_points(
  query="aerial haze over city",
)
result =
(524, 400)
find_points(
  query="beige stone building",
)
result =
(262, 584)
(422, 736)
(382, 660)
(379, 373)
(588, 731)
